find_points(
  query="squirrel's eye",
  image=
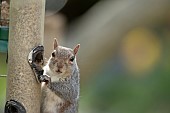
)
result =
(53, 54)
(72, 58)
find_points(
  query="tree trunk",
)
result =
(26, 32)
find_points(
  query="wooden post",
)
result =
(26, 31)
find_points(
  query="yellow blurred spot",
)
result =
(141, 49)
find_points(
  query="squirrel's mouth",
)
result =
(58, 71)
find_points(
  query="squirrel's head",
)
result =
(63, 60)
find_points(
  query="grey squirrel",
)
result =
(61, 93)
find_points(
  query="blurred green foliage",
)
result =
(115, 89)
(3, 71)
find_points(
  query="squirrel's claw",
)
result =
(45, 78)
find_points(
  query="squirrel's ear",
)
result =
(75, 50)
(55, 43)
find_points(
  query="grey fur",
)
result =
(67, 90)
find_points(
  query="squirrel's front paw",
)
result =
(45, 78)
(65, 79)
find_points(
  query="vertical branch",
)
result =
(26, 32)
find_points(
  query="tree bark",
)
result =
(26, 32)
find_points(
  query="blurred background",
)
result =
(124, 58)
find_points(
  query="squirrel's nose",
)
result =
(60, 66)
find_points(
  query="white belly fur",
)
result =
(51, 101)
